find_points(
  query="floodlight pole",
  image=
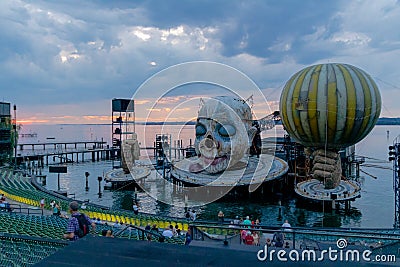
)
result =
(15, 136)
(58, 181)
(99, 179)
(394, 155)
(87, 182)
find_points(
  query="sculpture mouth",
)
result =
(210, 165)
(213, 161)
(214, 165)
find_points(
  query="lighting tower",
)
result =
(123, 126)
(394, 155)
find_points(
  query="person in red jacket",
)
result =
(249, 239)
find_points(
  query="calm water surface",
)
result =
(375, 208)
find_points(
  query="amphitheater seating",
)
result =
(22, 251)
(18, 188)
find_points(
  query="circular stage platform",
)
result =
(136, 174)
(256, 171)
(315, 190)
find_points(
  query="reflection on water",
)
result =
(375, 208)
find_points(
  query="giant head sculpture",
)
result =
(223, 130)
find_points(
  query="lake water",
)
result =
(375, 208)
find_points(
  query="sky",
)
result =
(63, 61)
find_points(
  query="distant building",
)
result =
(6, 136)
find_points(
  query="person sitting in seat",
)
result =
(168, 232)
(107, 233)
(5, 206)
(154, 228)
(278, 239)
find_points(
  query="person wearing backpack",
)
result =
(78, 224)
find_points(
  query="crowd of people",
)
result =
(253, 236)
(74, 224)
(250, 235)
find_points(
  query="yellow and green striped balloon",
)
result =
(330, 105)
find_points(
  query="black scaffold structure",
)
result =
(394, 155)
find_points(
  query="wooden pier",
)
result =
(65, 145)
(64, 152)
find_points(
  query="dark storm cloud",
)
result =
(80, 51)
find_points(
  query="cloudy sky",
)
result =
(63, 61)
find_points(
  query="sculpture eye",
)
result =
(200, 130)
(226, 130)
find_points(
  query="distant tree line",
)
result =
(388, 121)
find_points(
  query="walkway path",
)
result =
(27, 209)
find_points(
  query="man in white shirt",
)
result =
(135, 208)
(168, 232)
(286, 225)
(193, 215)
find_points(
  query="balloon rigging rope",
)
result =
(326, 137)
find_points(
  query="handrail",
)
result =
(29, 211)
(293, 231)
(304, 230)
(143, 232)
(58, 196)
(215, 224)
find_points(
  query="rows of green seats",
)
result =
(39, 226)
(140, 220)
(179, 240)
(19, 251)
(51, 227)
(22, 182)
(133, 233)
(23, 189)
(129, 233)
(218, 231)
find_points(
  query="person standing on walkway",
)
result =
(188, 237)
(135, 207)
(221, 216)
(247, 222)
(286, 226)
(193, 215)
(42, 203)
(56, 210)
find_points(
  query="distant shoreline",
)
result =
(381, 121)
(388, 121)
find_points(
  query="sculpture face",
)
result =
(221, 134)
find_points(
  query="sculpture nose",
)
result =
(209, 143)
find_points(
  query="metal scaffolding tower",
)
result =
(394, 155)
(123, 126)
(7, 141)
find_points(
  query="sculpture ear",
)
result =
(201, 104)
(250, 101)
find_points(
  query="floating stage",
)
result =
(117, 178)
(253, 170)
(314, 189)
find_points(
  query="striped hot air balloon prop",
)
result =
(330, 105)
